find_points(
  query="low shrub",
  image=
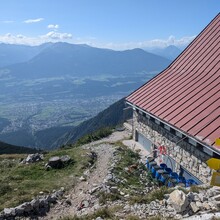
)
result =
(104, 197)
(152, 196)
(97, 135)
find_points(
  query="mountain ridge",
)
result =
(112, 116)
(12, 149)
(170, 52)
(18, 53)
(61, 59)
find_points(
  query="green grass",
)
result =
(132, 217)
(104, 197)
(22, 182)
(128, 158)
(152, 196)
(94, 136)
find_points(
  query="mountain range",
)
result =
(12, 53)
(171, 52)
(48, 90)
(63, 59)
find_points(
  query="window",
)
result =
(152, 119)
(147, 116)
(157, 121)
(167, 127)
(199, 146)
(208, 151)
(216, 155)
(172, 131)
(191, 141)
(179, 134)
(186, 139)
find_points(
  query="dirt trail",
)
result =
(69, 206)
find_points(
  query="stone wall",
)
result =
(185, 154)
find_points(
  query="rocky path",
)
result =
(81, 194)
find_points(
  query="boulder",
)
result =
(33, 158)
(114, 189)
(47, 167)
(66, 159)
(206, 205)
(55, 162)
(216, 198)
(194, 207)
(199, 204)
(24, 208)
(99, 218)
(179, 200)
(10, 212)
(35, 204)
(58, 162)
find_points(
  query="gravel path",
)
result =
(72, 201)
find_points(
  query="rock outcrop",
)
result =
(33, 158)
(36, 207)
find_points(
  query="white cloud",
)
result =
(161, 43)
(20, 36)
(19, 39)
(22, 39)
(29, 21)
(57, 36)
(54, 36)
(53, 26)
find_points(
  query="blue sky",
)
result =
(116, 24)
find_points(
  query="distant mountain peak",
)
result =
(60, 59)
(170, 52)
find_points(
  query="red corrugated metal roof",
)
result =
(186, 95)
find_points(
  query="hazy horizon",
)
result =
(117, 25)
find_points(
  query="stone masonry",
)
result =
(185, 154)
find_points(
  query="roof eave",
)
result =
(217, 151)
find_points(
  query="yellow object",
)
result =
(217, 142)
(213, 163)
(215, 181)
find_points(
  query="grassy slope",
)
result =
(21, 182)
